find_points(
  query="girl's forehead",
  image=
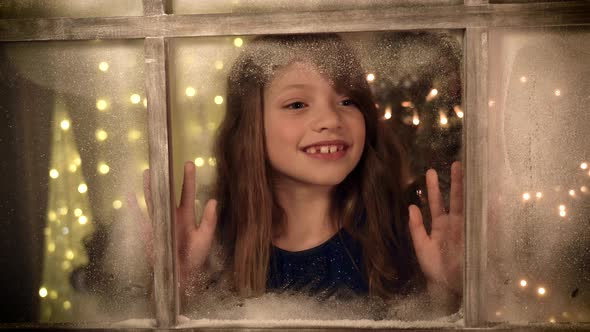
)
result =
(298, 73)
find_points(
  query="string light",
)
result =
(443, 119)
(133, 135)
(52, 216)
(370, 77)
(67, 305)
(72, 168)
(53, 295)
(78, 212)
(65, 125)
(238, 42)
(66, 265)
(407, 104)
(103, 66)
(144, 102)
(523, 79)
(190, 91)
(212, 161)
(53, 173)
(82, 220)
(539, 194)
(387, 114)
(584, 189)
(541, 291)
(415, 120)
(218, 64)
(557, 92)
(78, 161)
(62, 210)
(562, 213)
(491, 103)
(432, 94)
(117, 204)
(218, 100)
(199, 162)
(523, 283)
(458, 111)
(584, 165)
(51, 247)
(82, 188)
(135, 98)
(43, 292)
(103, 168)
(572, 192)
(526, 196)
(101, 104)
(101, 135)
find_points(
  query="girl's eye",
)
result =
(296, 105)
(348, 102)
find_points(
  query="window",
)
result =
(91, 98)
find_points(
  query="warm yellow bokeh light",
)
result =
(387, 114)
(557, 92)
(552, 320)
(53, 173)
(211, 125)
(433, 93)
(572, 192)
(69, 254)
(64, 124)
(561, 207)
(218, 100)
(562, 213)
(539, 194)
(53, 295)
(43, 292)
(416, 120)
(72, 168)
(199, 162)
(523, 283)
(458, 111)
(103, 66)
(144, 102)
(52, 216)
(82, 188)
(78, 212)
(101, 135)
(62, 210)
(67, 305)
(78, 161)
(370, 77)
(407, 104)
(526, 196)
(211, 161)
(218, 64)
(584, 189)
(103, 168)
(117, 204)
(238, 42)
(584, 165)
(135, 98)
(101, 104)
(190, 91)
(66, 265)
(51, 247)
(523, 79)
(133, 135)
(443, 119)
(82, 220)
(541, 291)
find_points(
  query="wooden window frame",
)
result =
(474, 17)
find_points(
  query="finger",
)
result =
(417, 231)
(435, 200)
(209, 220)
(202, 237)
(147, 192)
(187, 198)
(145, 226)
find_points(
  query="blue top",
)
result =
(334, 268)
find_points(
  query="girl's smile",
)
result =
(313, 134)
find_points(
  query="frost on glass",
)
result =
(69, 8)
(416, 80)
(74, 147)
(539, 197)
(269, 6)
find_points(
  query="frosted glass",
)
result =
(416, 79)
(539, 198)
(74, 146)
(69, 8)
(267, 6)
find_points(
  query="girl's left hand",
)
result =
(440, 254)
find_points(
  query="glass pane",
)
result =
(69, 8)
(416, 82)
(268, 6)
(538, 235)
(74, 145)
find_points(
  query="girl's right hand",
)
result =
(193, 241)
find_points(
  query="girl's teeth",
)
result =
(325, 149)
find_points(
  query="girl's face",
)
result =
(313, 134)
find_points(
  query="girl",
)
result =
(312, 193)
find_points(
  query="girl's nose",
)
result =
(327, 117)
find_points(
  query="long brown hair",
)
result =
(370, 204)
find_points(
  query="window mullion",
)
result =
(475, 138)
(161, 181)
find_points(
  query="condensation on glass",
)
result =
(269, 6)
(68, 8)
(539, 171)
(74, 148)
(416, 80)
